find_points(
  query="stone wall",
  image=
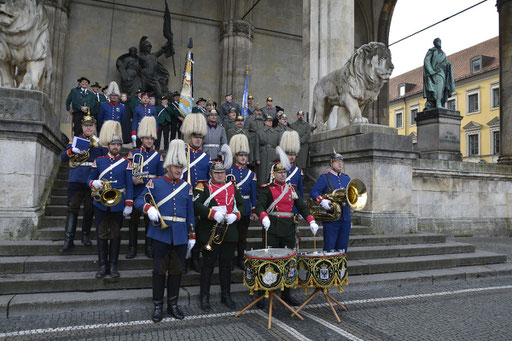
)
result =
(30, 144)
(462, 198)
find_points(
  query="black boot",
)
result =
(287, 297)
(102, 245)
(225, 286)
(196, 250)
(132, 244)
(173, 291)
(204, 293)
(148, 248)
(85, 239)
(71, 220)
(240, 255)
(115, 244)
(158, 297)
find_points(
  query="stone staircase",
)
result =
(34, 269)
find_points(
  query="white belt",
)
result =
(174, 219)
(211, 145)
(88, 164)
(282, 214)
(247, 197)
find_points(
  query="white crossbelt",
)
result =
(207, 202)
(149, 159)
(172, 195)
(88, 164)
(194, 163)
(275, 202)
(245, 179)
(111, 167)
(210, 145)
(291, 175)
(174, 219)
(282, 214)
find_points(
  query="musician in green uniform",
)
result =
(219, 205)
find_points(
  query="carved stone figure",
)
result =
(352, 87)
(128, 67)
(25, 54)
(154, 76)
(438, 82)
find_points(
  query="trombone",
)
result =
(189, 179)
(137, 167)
(152, 202)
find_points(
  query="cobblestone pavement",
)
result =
(474, 310)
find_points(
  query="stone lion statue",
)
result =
(352, 87)
(25, 55)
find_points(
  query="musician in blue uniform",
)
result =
(245, 179)
(109, 216)
(173, 199)
(336, 233)
(147, 164)
(78, 190)
(145, 109)
(112, 110)
(194, 129)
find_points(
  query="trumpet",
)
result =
(152, 202)
(217, 236)
(355, 196)
(189, 179)
(109, 196)
(138, 166)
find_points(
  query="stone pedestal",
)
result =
(439, 134)
(382, 159)
(30, 144)
(505, 22)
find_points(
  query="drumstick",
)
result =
(314, 241)
(266, 247)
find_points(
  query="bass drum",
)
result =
(322, 270)
(270, 269)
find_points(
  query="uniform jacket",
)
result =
(226, 107)
(175, 113)
(304, 130)
(154, 167)
(201, 169)
(78, 98)
(134, 103)
(281, 226)
(269, 110)
(214, 139)
(198, 110)
(267, 139)
(230, 197)
(111, 111)
(294, 175)
(247, 188)
(322, 187)
(81, 173)
(164, 114)
(100, 99)
(250, 109)
(228, 124)
(235, 131)
(122, 173)
(140, 112)
(252, 125)
(180, 205)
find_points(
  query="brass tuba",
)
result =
(109, 196)
(355, 196)
(76, 160)
(219, 231)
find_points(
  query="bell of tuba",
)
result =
(355, 196)
(107, 195)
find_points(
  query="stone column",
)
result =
(505, 23)
(327, 42)
(236, 38)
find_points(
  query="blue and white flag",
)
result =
(246, 92)
(186, 95)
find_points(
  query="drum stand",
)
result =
(271, 296)
(328, 298)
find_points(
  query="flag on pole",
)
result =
(246, 91)
(187, 90)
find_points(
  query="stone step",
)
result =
(47, 247)
(73, 263)
(141, 278)
(16, 305)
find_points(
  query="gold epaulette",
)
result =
(199, 187)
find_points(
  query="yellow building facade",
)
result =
(476, 97)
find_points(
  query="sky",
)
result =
(464, 30)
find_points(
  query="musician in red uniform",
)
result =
(276, 201)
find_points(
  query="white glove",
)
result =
(77, 151)
(231, 218)
(134, 141)
(97, 184)
(314, 227)
(97, 139)
(219, 217)
(191, 243)
(326, 204)
(127, 211)
(153, 214)
(266, 223)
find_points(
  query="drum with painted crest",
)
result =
(270, 269)
(322, 269)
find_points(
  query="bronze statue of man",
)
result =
(438, 82)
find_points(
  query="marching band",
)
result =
(191, 191)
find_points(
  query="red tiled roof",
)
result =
(460, 64)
